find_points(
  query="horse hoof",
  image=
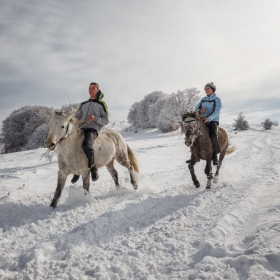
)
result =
(75, 178)
(208, 187)
(215, 180)
(135, 187)
(197, 185)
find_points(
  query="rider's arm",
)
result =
(197, 108)
(103, 119)
(218, 107)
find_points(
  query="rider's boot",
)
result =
(75, 178)
(94, 173)
(216, 149)
(215, 159)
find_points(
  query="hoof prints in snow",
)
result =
(167, 229)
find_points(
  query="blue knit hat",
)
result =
(211, 85)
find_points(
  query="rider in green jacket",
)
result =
(94, 115)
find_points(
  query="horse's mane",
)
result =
(75, 120)
(195, 115)
(191, 114)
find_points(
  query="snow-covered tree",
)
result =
(132, 115)
(275, 123)
(38, 137)
(240, 123)
(175, 106)
(155, 109)
(267, 124)
(73, 106)
(144, 106)
(2, 149)
(21, 124)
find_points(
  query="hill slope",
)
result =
(167, 229)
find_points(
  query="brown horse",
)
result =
(198, 139)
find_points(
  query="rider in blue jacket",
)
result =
(209, 109)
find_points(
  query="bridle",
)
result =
(198, 132)
(189, 121)
(66, 130)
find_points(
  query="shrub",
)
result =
(267, 124)
(240, 123)
(19, 126)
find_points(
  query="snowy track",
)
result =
(167, 229)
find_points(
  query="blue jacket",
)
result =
(213, 107)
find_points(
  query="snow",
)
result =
(167, 229)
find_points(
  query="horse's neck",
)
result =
(72, 141)
(204, 133)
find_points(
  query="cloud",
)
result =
(131, 48)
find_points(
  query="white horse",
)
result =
(108, 146)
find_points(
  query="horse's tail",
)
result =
(230, 149)
(132, 159)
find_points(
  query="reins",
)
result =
(199, 132)
(67, 128)
(63, 138)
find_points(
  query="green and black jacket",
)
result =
(96, 107)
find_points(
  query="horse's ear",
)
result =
(68, 113)
(197, 116)
(56, 112)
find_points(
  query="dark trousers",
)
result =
(90, 136)
(213, 132)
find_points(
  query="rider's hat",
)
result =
(211, 85)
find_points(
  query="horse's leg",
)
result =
(110, 167)
(208, 172)
(221, 157)
(195, 181)
(60, 185)
(86, 183)
(126, 163)
(208, 167)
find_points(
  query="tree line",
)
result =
(27, 127)
(161, 110)
(241, 124)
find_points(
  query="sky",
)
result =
(51, 50)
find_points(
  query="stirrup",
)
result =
(75, 178)
(94, 173)
(215, 160)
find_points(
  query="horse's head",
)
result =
(58, 127)
(191, 123)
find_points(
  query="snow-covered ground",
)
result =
(167, 229)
